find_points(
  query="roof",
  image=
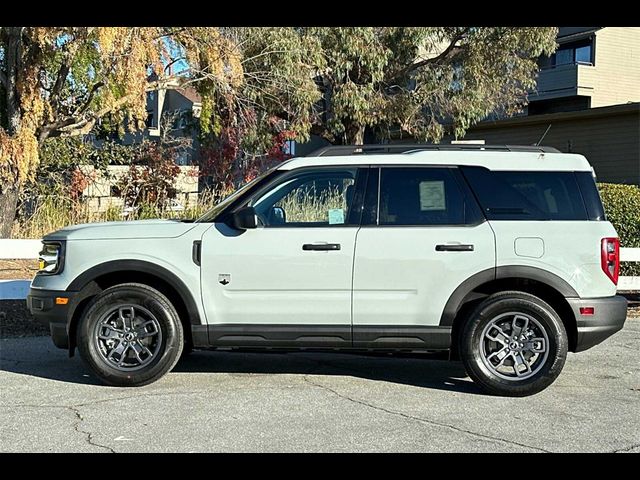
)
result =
(577, 35)
(493, 160)
(190, 94)
(628, 108)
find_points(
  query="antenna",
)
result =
(543, 135)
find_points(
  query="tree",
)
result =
(274, 102)
(57, 82)
(424, 82)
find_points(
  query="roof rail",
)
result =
(343, 150)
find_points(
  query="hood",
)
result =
(122, 230)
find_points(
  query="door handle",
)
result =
(321, 246)
(454, 248)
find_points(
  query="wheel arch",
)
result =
(545, 285)
(108, 274)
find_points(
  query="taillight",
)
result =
(610, 258)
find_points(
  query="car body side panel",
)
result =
(568, 249)
(401, 279)
(171, 254)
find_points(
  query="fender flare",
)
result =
(88, 276)
(457, 298)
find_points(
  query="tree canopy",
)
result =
(423, 82)
(259, 85)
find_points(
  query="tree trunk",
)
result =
(8, 192)
(355, 135)
(13, 62)
(8, 204)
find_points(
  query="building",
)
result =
(592, 67)
(587, 101)
(172, 115)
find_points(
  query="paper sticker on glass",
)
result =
(336, 216)
(432, 196)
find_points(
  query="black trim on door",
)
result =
(375, 337)
(270, 335)
(401, 337)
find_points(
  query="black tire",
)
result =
(542, 372)
(168, 343)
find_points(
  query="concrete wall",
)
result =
(99, 191)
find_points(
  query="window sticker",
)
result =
(336, 216)
(432, 196)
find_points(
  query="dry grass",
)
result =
(306, 206)
(55, 212)
(18, 269)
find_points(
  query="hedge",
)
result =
(622, 207)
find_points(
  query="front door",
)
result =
(422, 235)
(287, 282)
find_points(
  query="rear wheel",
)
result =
(513, 344)
(130, 335)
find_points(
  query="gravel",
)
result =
(16, 321)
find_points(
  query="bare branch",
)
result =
(92, 92)
(3, 79)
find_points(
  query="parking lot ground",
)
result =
(311, 402)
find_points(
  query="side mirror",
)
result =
(244, 219)
(277, 216)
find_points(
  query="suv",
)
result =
(501, 255)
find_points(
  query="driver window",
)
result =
(317, 198)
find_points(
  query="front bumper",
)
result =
(44, 309)
(609, 316)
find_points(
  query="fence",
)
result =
(29, 249)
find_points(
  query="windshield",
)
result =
(218, 208)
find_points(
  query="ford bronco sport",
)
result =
(500, 254)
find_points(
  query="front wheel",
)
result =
(130, 335)
(514, 344)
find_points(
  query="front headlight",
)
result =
(51, 259)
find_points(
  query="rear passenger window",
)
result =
(421, 196)
(522, 195)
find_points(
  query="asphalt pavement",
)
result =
(312, 402)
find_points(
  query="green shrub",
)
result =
(622, 207)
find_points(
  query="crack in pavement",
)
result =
(422, 420)
(80, 419)
(76, 425)
(90, 440)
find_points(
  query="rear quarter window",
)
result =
(527, 195)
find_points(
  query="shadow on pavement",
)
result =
(420, 370)
(35, 356)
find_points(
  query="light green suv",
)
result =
(501, 255)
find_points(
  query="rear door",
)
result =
(422, 235)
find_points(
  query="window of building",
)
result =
(569, 54)
(583, 54)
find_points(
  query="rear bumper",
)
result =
(609, 316)
(43, 308)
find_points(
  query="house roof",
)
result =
(189, 93)
(587, 32)
(609, 110)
